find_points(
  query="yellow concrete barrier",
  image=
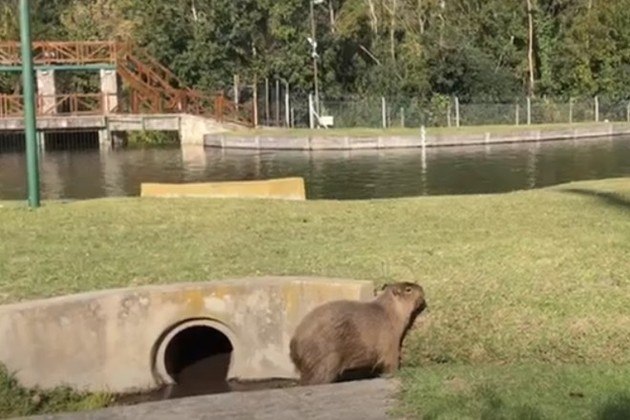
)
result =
(282, 188)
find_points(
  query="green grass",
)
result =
(399, 131)
(16, 401)
(517, 279)
(527, 392)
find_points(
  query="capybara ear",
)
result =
(397, 290)
(384, 286)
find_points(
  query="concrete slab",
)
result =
(112, 340)
(364, 400)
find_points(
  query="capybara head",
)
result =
(410, 293)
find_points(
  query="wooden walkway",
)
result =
(152, 88)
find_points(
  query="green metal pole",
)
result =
(30, 125)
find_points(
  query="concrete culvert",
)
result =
(194, 358)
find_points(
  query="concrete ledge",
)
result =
(282, 188)
(55, 123)
(190, 127)
(361, 400)
(106, 341)
(323, 142)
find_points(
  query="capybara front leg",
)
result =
(390, 364)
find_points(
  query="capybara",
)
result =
(344, 335)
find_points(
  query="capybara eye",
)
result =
(408, 289)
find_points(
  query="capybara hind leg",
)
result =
(325, 372)
(317, 378)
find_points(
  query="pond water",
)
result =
(78, 173)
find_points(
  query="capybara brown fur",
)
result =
(344, 335)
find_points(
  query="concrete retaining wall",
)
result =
(106, 341)
(323, 142)
(190, 127)
(56, 123)
(283, 188)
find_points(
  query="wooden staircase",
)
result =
(155, 89)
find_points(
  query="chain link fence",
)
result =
(281, 108)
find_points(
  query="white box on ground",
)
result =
(326, 120)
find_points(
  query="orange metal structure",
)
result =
(150, 86)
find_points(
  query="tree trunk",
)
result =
(530, 48)
(332, 17)
(420, 17)
(373, 18)
(194, 11)
(392, 29)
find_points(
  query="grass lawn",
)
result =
(413, 131)
(523, 391)
(529, 291)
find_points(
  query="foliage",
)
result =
(153, 138)
(16, 401)
(476, 50)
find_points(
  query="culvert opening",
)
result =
(198, 360)
(194, 358)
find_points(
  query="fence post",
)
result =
(236, 91)
(597, 116)
(628, 112)
(402, 117)
(448, 114)
(384, 111)
(267, 100)
(311, 122)
(277, 102)
(570, 110)
(517, 114)
(287, 116)
(456, 111)
(423, 136)
(255, 101)
(529, 110)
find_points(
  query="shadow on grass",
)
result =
(613, 199)
(616, 408)
(486, 403)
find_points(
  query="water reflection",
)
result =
(89, 173)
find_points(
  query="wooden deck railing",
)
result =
(67, 52)
(11, 106)
(60, 105)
